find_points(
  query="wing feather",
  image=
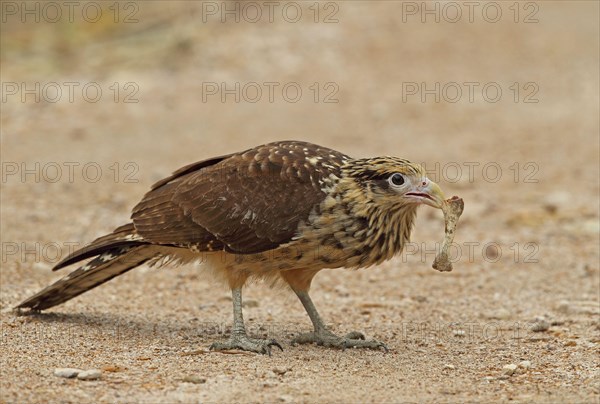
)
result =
(247, 202)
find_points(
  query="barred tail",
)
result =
(115, 254)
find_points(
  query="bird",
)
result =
(280, 212)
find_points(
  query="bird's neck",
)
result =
(350, 220)
(389, 229)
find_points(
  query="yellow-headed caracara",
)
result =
(281, 211)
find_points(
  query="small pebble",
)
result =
(525, 364)
(281, 370)
(68, 373)
(449, 367)
(540, 324)
(93, 374)
(508, 370)
(194, 379)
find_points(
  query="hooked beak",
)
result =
(427, 192)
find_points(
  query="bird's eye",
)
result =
(397, 179)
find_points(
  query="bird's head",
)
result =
(392, 181)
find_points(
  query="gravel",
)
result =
(92, 374)
(194, 379)
(509, 370)
(67, 373)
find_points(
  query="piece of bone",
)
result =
(452, 209)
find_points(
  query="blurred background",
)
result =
(499, 101)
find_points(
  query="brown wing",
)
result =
(245, 203)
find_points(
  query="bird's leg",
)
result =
(239, 339)
(322, 336)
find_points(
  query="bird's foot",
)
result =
(326, 338)
(245, 343)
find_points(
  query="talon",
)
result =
(242, 342)
(275, 343)
(327, 338)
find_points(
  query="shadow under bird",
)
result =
(282, 211)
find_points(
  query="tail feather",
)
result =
(116, 253)
(123, 236)
(110, 263)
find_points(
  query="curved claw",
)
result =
(384, 346)
(269, 344)
(328, 339)
(246, 344)
(275, 343)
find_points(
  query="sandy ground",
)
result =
(528, 172)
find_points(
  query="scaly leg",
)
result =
(239, 339)
(322, 336)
